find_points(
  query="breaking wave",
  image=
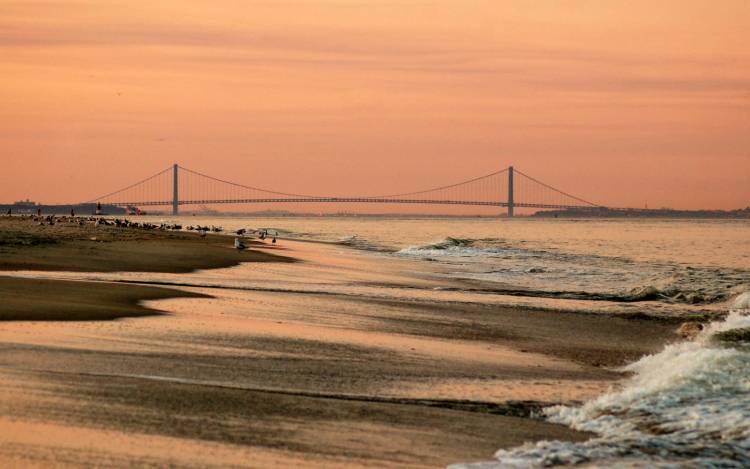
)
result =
(456, 247)
(687, 406)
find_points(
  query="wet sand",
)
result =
(321, 368)
(66, 246)
(56, 300)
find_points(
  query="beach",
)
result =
(375, 234)
(312, 367)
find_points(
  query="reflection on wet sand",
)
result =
(342, 359)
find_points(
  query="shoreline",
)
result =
(335, 379)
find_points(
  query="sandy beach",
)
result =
(306, 366)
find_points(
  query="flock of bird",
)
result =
(52, 220)
(205, 229)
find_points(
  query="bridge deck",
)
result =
(345, 200)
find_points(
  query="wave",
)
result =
(456, 247)
(357, 242)
(647, 293)
(519, 270)
(687, 406)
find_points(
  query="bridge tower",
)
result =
(175, 190)
(511, 202)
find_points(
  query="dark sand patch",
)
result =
(56, 300)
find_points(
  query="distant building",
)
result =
(21, 204)
(29, 207)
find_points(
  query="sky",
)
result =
(625, 103)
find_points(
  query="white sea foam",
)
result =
(688, 406)
(742, 301)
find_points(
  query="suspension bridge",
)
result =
(179, 186)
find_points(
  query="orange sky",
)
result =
(620, 102)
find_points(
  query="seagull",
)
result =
(239, 244)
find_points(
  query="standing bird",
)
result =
(239, 245)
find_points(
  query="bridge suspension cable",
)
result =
(184, 186)
(565, 194)
(435, 189)
(119, 191)
(285, 194)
